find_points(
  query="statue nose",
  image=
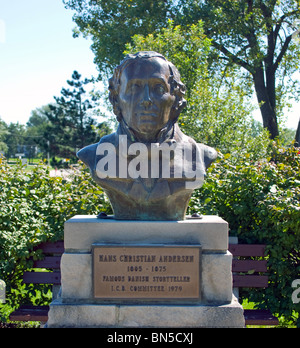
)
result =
(146, 100)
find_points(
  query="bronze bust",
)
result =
(148, 167)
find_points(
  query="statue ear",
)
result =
(114, 96)
(116, 107)
(178, 106)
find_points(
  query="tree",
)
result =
(14, 139)
(37, 126)
(3, 132)
(71, 125)
(256, 35)
(38, 119)
(216, 114)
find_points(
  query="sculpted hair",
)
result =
(177, 87)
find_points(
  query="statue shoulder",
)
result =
(88, 154)
(210, 154)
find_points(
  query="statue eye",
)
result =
(135, 87)
(160, 89)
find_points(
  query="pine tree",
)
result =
(70, 119)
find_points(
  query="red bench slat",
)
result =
(250, 281)
(249, 265)
(30, 313)
(41, 278)
(52, 248)
(48, 262)
(247, 249)
(259, 317)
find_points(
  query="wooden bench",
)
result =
(241, 266)
(244, 263)
(51, 261)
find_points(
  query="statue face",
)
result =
(144, 96)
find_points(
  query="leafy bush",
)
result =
(259, 198)
(261, 202)
(33, 209)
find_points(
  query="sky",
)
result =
(38, 54)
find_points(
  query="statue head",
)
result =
(146, 93)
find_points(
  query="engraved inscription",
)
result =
(144, 272)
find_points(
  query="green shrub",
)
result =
(261, 202)
(260, 199)
(33, 209)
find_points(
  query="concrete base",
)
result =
(76, 306)
(82, 231)
(63, 315)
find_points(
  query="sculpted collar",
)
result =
(166, 134)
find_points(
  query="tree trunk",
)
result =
(297, 138)
(266, 101)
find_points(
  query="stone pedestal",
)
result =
(76, 305)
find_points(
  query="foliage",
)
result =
(261, 202)
(35, 129)
(216, 114)
(14, 139)
(34, 207)
(3, 132)
(258, 36)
